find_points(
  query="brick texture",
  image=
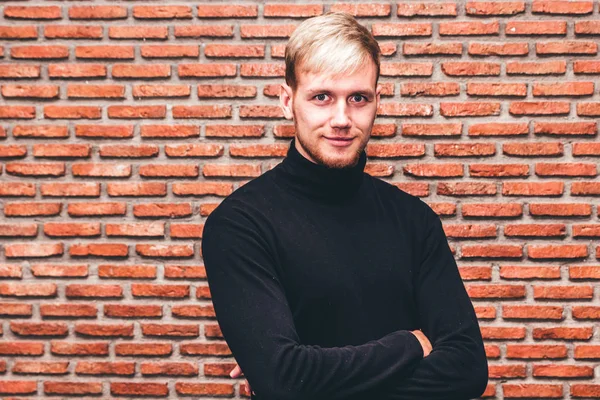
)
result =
(124, 124)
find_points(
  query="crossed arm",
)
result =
(257, 324)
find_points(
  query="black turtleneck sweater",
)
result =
(317, 276)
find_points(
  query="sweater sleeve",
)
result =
(456, 368)
(257, 324)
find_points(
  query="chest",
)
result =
(335, 258)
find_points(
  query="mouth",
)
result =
(340, 141)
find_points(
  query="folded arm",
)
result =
(258, 326)
(456, 368)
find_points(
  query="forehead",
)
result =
(362, 79)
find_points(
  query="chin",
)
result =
(333, 160)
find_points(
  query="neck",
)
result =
(318, 181)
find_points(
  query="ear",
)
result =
(286, 96)
(378, 95)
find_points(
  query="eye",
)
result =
(321, 97)
(357, 98)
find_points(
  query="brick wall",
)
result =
(123, 124)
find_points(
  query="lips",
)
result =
(340, 141)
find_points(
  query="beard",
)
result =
(312, 149)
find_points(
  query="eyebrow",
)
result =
(365, 92)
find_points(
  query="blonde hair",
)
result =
(333, 42)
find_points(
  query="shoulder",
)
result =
(244, 204)
(405, 203)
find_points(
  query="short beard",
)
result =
(337, 164)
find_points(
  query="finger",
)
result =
(237, 371)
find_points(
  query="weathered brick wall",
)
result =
(123, 124)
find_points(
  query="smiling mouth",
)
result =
(340, 141)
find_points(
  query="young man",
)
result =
(328, 283)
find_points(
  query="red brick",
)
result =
(40, 131)
(72, 112)
(105, 52)
(72, 32)
(169, 368)
(567, 251)
(97, 12)
(588, 109)
(141, 71)
(433, 170)
(169, 131)
(105, 368)
(427, 49)
(137, 32)
(18, 32)
(469, 109)
(563, 292)
(565, 169)
(536, 351)
(502, 332)
(227, 11)
(521, 390)
(234, 50)
(492, 251)
(17, 112)
(562, 7)
(498, 49)
(536, 68)
(488, 8)
(162, 12)
(133, 112)
(539, 108)
(96, 91)
(499, 129)
(585, 390)
(406, 29)
(202, 111)
(469, 28)
(404, 110)
(498, 170)
(496, 89)
(428, 9)
(26, 209)
(127, 271)
(437, 89)
(566, 47)
(406, 69)
(198, 31)
(76, 70)
(527, 272)
(70, 189)
(292, 10)
(533, 149)
(66, 229)
(492, 210)
(363, 9)
(466, 189)
(39, 52)
(95, 209)
(137, 189)
(536, 28)
(170, 51)
(99, 249)
(535, 312)
(128, 151)
(155, 229)
(563, 333)
(535, 230)
(24, 91)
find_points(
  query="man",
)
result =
(328, 283)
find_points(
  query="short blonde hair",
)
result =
(333, 42)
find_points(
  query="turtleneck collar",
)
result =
(318, 181)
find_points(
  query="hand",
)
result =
(425, 343)
(236, 372)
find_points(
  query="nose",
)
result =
(340, 118)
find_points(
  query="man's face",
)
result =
(333, 115)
